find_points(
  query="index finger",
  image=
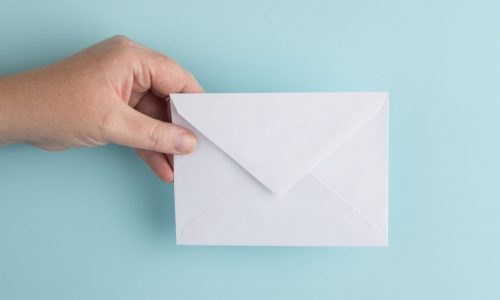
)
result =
(165, 75)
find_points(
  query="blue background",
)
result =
(96, 224)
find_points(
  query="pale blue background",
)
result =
(96, 224)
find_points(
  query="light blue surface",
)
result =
(96, 224)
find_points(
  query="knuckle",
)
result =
(121, 40)
(164, 60)
(157, 135)
(122, 46)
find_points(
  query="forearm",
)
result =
(9, 93)
(23, 107)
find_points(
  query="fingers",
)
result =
(141, 121)
(129, 127)
(158, 164)
(165, 76)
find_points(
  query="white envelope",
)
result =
(284, 169)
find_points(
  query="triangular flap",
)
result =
(278, 137)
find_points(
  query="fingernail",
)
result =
(185, 143)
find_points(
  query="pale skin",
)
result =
(112, 92)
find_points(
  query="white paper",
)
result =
(290, 169)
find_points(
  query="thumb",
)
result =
(128, 127)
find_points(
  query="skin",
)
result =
(111, 92)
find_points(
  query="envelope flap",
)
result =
(278, 137)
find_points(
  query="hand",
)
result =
(112, 92)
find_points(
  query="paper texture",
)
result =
(289, 169)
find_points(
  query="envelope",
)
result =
(283, 169)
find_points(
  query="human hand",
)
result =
(112, 92)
